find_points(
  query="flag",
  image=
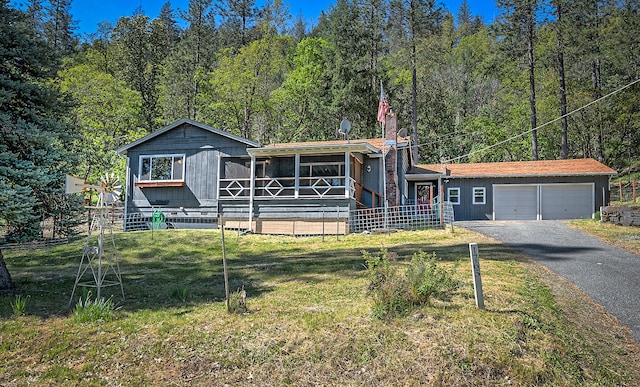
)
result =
(383, 106)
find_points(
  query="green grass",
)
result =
(309, 319)
(627, 238)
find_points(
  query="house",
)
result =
(196, 174)
(522, 190)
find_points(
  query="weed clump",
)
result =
(19, 306)
(181, 293)
(237, 303)
(396, 292)
(89, 310)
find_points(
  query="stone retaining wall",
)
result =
(621, 215)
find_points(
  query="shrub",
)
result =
(94, 310)
(396, 294)
(428, 280)
(19, 306)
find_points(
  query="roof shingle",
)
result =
(517, 168)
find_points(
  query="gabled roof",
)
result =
(372, 145)
(176, 124)
(577, 167)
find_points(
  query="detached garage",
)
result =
(523, 190)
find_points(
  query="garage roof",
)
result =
(577, 167)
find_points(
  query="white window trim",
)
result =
(449, 195)
(484, 195)
(172, 155)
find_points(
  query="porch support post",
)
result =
(252, 185)
(297, 176)
(347, 175)
(130, 188)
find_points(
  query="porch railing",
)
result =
(285, 187)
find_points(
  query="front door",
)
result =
(424, 195)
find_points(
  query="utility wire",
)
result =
(543, 125)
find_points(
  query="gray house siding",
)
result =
(466, 210)
(196, 202)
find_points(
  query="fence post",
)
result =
(477, 280)
(224, 261)
(323, 224)
(620, 188)
(337, 222)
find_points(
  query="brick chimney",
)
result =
(391, 160)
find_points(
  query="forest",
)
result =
(548, 79)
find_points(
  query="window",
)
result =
(332, 170)
(321, 169)
(162, 168)
(454, 195)
(479, 195)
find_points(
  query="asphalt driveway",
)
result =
(609, 275)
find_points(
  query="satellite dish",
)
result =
(402, 132)
(345, 127)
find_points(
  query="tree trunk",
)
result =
(563, 89)
(5, 278)
(532, 81)
(414, 84)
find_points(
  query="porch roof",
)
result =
(577, 167)
(368, 146)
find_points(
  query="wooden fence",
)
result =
(625, 192)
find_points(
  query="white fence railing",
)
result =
(285, 187)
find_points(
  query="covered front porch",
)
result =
(306, 182)
(349, 171)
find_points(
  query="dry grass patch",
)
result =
(309, 319)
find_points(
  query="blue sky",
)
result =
(88, 13)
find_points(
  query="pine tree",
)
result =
(33, 129)
(59, 26)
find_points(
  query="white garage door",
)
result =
(515, 202)
(567, 201)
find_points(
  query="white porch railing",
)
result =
(285, 187)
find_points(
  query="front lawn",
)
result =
(309, 320)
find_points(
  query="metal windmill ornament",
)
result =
(99, 266)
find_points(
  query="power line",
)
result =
(543, 125)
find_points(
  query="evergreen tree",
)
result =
(191, 59)
(238, 21)
(519, 26)
(34, 131)
(139, 62)
(59, 25)
(417, 19)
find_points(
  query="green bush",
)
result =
(428, 280)
(88, 310)
(396, 293)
